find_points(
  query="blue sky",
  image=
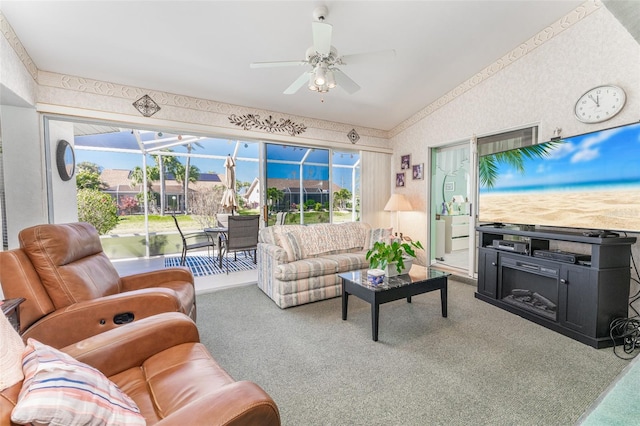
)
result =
(587, 160)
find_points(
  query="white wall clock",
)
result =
(600, 104)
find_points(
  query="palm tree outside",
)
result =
(137, 177)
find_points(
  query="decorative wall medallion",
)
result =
(146, 106)
(249, 121)
(353, 136)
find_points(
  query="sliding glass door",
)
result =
(297, 184)
(311, 185)
(451, 195)
(454, 189)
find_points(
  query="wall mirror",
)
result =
(65, 160)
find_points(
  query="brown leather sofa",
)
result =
(159, 362)
(73, 291)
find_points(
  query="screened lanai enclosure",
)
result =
(151, 175)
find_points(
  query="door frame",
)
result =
(432, 209)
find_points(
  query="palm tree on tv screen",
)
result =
(488, 164)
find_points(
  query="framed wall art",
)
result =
(405, 162)
(418, 171)
(399, 179)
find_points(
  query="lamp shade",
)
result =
(398, 202)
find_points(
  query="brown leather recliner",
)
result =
(73, 291)
(172, 378)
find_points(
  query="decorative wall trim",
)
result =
(17, 46)
(164, 99)
(575, 16)
(251, 121)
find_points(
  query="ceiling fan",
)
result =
(324, 60)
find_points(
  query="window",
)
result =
(302, 182)
(144, 171)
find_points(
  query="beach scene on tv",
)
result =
(590, 181)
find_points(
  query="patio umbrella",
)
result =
(229, 196)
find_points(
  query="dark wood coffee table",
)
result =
(419, 280)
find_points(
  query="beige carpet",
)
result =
(479, 366)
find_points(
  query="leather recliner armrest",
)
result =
(129, 346)
(155, 278)
(85, 319)
(236, 404)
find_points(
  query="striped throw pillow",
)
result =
(59, 390)
(291, 244)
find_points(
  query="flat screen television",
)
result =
(590, 181)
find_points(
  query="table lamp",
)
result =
(397, 203)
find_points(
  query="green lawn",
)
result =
(127, 240)
(134, 224)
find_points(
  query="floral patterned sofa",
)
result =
(300, 264)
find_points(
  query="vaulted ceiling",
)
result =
(203, 48)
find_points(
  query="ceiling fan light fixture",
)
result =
(320, 75)
(312, 86)
(331, 81)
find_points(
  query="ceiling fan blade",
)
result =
(368, 56)
(296, 85)
(276, 64)
(345, 82)
(322, 37)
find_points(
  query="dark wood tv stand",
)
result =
(578, 300)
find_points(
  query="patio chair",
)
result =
(280, 218)
(194, 241)
(242, 235)
(223, 219)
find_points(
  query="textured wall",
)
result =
(540, 88)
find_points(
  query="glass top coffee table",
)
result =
(419, 280)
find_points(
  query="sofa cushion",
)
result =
(273, 234)
(188, 366)
(267, 235)
(59, 390)
(349, 261)
(378, 234)
(305, 268)
(310, 289)
(353, 234)
(323, 238)
(10, 354)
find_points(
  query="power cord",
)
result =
(636, 296)
(627, 329)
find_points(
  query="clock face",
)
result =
(600, 104)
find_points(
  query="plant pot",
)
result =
(392, 270)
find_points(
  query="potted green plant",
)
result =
(387, 255)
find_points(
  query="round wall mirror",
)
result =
(65, 160)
